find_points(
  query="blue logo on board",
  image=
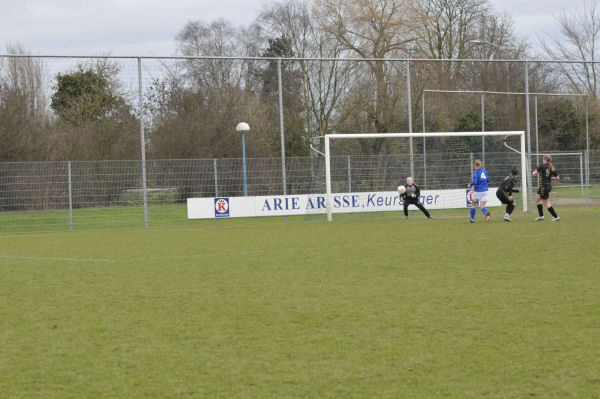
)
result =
(221, 207)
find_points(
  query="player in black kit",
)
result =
(411, 196)
(545, 173)
(504, 193)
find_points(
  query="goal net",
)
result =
(363, 170)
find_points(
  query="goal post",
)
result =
(525, 170)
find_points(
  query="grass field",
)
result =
(360, 308)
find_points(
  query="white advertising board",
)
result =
(312, 204)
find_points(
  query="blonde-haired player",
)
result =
(480, 190)
(545, 173)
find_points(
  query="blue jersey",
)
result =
(480, 180)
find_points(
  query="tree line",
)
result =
(191, 109)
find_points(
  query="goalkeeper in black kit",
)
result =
(411, 197)
(504, 193)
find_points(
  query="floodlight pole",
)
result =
(528, 171)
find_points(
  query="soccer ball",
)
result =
(401, 189)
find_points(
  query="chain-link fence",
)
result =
(62, 196)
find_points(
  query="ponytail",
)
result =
(548, 159)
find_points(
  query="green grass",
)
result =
(360, 308)
(559, 191)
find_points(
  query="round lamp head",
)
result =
(242, 127)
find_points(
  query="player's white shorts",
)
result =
(481, 196)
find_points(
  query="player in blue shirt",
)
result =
(480, 190)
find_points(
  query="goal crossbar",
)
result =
(408, 135)
(525, 172)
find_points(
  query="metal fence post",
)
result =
(143, 143)
(216, 176)
(587, 179)
(349, 179)
(537, 142)
(216, 183)
(281, 129)
(581, 173)
(587, 154)
(349, 176)
(483, 127)
(424, 142)
(70, 196)
(408, 99)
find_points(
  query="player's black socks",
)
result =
(552, 212)
(510, 208)
(540, 210)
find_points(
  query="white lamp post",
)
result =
(243, 127)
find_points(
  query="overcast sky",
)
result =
(148, 27)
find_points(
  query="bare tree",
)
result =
(372, 29)
(196, 105)
(219, 38)
(463, 29)
(369, 28)
(579, 40)
(24, 117)
(322, 81)
(448, 27)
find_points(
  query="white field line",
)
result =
(52, 258)
(381, 244)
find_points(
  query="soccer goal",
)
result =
(439, 193)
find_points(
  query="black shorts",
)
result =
(503, 198)
(411, 201)
(544, 191)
